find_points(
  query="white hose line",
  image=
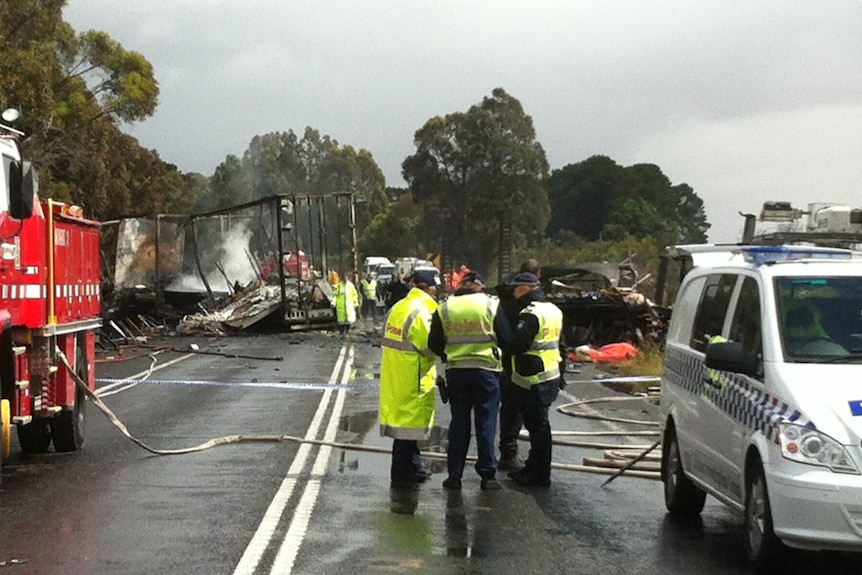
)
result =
(230, 439)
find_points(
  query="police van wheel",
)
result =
(761, 543)
(681, 496)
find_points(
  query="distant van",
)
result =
(404, 266)
(371, 263)
(761, 403)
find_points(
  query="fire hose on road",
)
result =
(259, 438)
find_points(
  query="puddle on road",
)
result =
(363, 422)
(359, 423)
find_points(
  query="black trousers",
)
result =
(405, 458)
(534, 410)
(510, 417)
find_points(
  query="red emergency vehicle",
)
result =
(49, 301)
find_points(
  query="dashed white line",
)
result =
(289, 549)
(263, 535)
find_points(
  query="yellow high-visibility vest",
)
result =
(546, 344)
(409, 369)
(468, 324)
(369, 288)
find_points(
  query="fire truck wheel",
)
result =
(5, 429)
(67, 429)
(35, 437)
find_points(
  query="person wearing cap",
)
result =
(465, 333)
(407, 378)
(510, 410)
(535, 350)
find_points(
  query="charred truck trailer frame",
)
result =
(49, 300)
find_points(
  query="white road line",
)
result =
(289, 549)
(260, 541)
(129, 384)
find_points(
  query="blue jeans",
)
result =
(476, 390)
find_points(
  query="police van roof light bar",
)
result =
(764, 255)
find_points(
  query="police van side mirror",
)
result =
(731, 356)
(23, 185)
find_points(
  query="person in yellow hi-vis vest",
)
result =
(536, 374)
(346, 303)
(407, 378)
(368, 285)
(466, 333)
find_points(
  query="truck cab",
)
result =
(50, 308)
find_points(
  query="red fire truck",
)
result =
(49, 301)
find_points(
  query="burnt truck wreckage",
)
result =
(263, 262)
(601, 305)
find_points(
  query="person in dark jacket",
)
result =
(396, 290)
(535, 351)
(510, 411)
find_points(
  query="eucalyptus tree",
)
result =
(479, 174)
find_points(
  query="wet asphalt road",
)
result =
(272, 507)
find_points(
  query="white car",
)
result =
(762, 396)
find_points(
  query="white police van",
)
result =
(762, 395)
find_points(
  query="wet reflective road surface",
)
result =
(281, 507)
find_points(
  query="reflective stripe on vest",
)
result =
(402, 343)
(545, 346)
(468, 326)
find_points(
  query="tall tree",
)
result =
(475, 173)
(599, 199)
(227, 186)
(74, 92)
(283, 163)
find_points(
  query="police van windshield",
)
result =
(820, 318)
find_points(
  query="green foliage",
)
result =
(393, 234)
(648, 361)
(485, 161)
(122, 81)
(597, 199)
(282, 163)
(73, 91)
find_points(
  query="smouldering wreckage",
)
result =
(220, 271)
(601, 305)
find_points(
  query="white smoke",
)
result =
(232, 257)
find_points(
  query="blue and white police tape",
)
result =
(274, 385)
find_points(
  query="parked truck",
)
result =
(49, 308)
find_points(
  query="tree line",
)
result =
(478, 182)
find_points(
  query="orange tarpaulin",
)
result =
(613, 352)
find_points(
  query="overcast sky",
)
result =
(745, 101)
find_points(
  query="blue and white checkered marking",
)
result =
(754, 408)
